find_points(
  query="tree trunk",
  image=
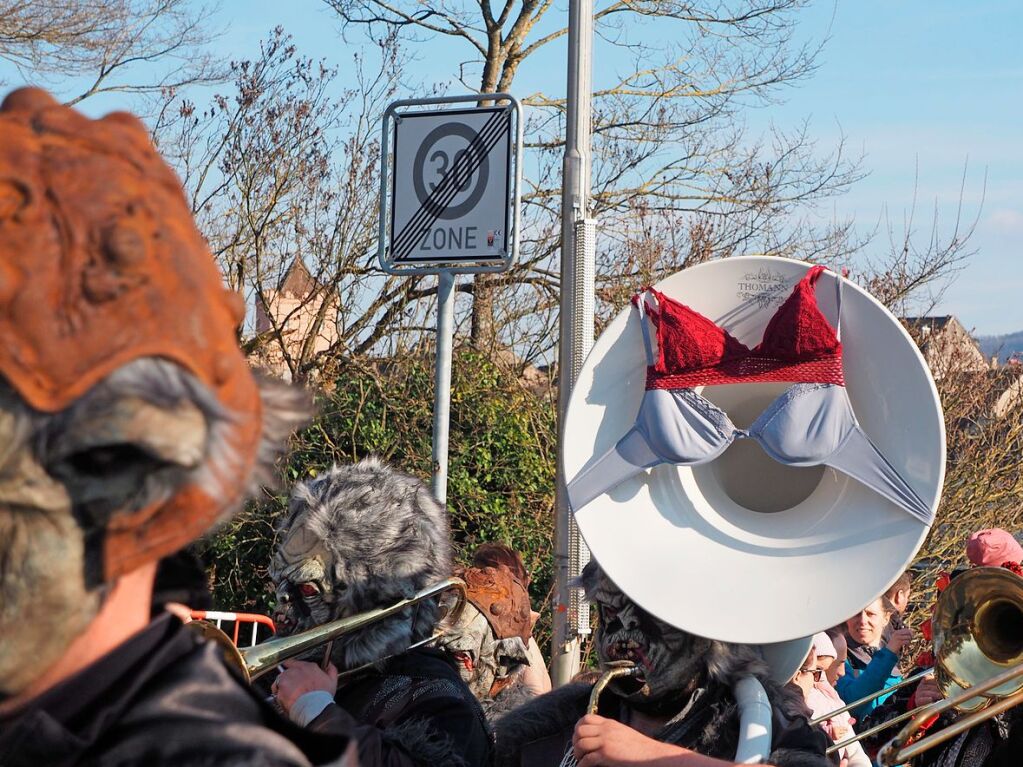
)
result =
(483, 331)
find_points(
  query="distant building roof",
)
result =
(946, 344)
(934, 323)
(297, 281)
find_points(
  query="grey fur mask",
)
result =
(132, 440)
(675, 662)
(355, 538)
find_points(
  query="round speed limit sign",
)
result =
(451, 148)
(451, 186)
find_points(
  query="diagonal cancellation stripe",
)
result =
(426, 216)
(423, 219)
(468, 163)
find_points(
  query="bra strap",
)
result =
(838, 304)
(812, 275)
(640, 302)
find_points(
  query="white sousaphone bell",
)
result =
(744, 548)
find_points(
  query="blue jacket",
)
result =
(878, 675)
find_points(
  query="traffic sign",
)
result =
(449, 203)
(452, 197)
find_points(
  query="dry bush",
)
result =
(983, 482)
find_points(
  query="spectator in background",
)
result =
(534, 676)
(993, 548)
(823, 699)
(836, 667)
(871, 663)
(807, 674)
(899, 594)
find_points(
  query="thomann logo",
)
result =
(763, 286)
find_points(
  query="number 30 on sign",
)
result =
(451, 199)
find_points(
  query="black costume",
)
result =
(414, 710)
(997, 742)
(164, 697)
(540, 733)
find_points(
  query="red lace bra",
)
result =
(799, 345)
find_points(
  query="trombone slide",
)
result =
(257, 660)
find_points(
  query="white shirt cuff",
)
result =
(309, 706)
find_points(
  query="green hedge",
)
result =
(500, 466)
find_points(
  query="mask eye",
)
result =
(108, 460)
(308, 589)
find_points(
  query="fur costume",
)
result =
(687, 682)
(130, 424)
(364, 536)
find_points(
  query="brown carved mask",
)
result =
(488, 642)
(501, 598)
(101, 264)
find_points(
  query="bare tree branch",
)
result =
(126, 46)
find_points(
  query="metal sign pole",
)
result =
(450, 193)
(442, 383)
(576, 327)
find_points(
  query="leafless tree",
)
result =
(673, 165)
(911, 268)
(282, 174)
(129, 46)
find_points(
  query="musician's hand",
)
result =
(900, 638)
(927, 692)
(300, 677)
(600, 742)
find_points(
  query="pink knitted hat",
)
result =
(822, 645)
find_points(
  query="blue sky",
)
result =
(923, 88)
(933, 86)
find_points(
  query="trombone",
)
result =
(866, 699)
(896, 751)
(255, 661)
(978, 642)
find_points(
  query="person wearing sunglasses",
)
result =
(822, 699)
